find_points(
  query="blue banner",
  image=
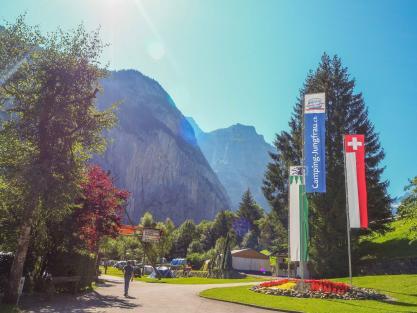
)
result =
(314, 151)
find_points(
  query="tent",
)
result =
(147, 269)
(178, 262)
(250, 260)
(164, 271)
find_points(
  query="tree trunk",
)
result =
(147, 251)
(16, 271)
(97, 262)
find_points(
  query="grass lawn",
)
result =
(5, 308)
(402, 288)
(185, 280)
(393, 244)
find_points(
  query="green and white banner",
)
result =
(298, 215)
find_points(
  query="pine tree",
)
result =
(226, 264)
(248, 213)
(346, 113)
(250, 240)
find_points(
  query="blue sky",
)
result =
(225, 62)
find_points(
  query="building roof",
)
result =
(128, 230)
(249, 254)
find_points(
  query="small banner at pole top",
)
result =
(298, 211)
(356, 180)
(314, 142)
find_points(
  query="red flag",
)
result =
(356, 180)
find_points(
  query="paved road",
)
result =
(146, 298)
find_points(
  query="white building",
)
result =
(250, 260)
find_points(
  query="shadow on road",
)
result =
(89, 302)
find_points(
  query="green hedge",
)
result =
(181, 273)
(6, 260)
(74, 264)
(197, 259)
(218, 273)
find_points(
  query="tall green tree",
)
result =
(207, 237)
(346, 114)
(222, 224)
(248, 213)
(151, 249)
(48, 97)
(273, 235)
(183, 236)
(147, 220)
(167, 231)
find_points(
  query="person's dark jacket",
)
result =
(128, 271)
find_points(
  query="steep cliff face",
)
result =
(239, 156)
(154, 154)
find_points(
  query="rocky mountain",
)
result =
(239, 156)
(153, 153)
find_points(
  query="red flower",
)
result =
(316, 285)
(328, 286)
(276, 282)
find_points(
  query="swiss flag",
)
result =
(356, 180)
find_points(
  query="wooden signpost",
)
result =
(151, 235)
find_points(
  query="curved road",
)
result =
(145, 297)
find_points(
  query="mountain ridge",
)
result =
(153, 153)
(239, 156)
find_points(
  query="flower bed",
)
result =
(312, 288)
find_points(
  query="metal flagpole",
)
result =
(289, 216)
(302, 237)
(347, 215)
(302, 197)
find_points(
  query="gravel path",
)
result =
(145, 297)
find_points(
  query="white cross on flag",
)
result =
(356, 180)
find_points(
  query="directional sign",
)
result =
(151, 235)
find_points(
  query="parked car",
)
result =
(138, 270)
(147, 270)
(120, 265)
(111, 262)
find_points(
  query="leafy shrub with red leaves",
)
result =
(101, 208)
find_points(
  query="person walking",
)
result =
(128, 274)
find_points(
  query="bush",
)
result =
(219, 273)
(197, 259)
(195, 247)
(182, 273)
(74, 264)
(6, 260)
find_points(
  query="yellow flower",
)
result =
(289, 285)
